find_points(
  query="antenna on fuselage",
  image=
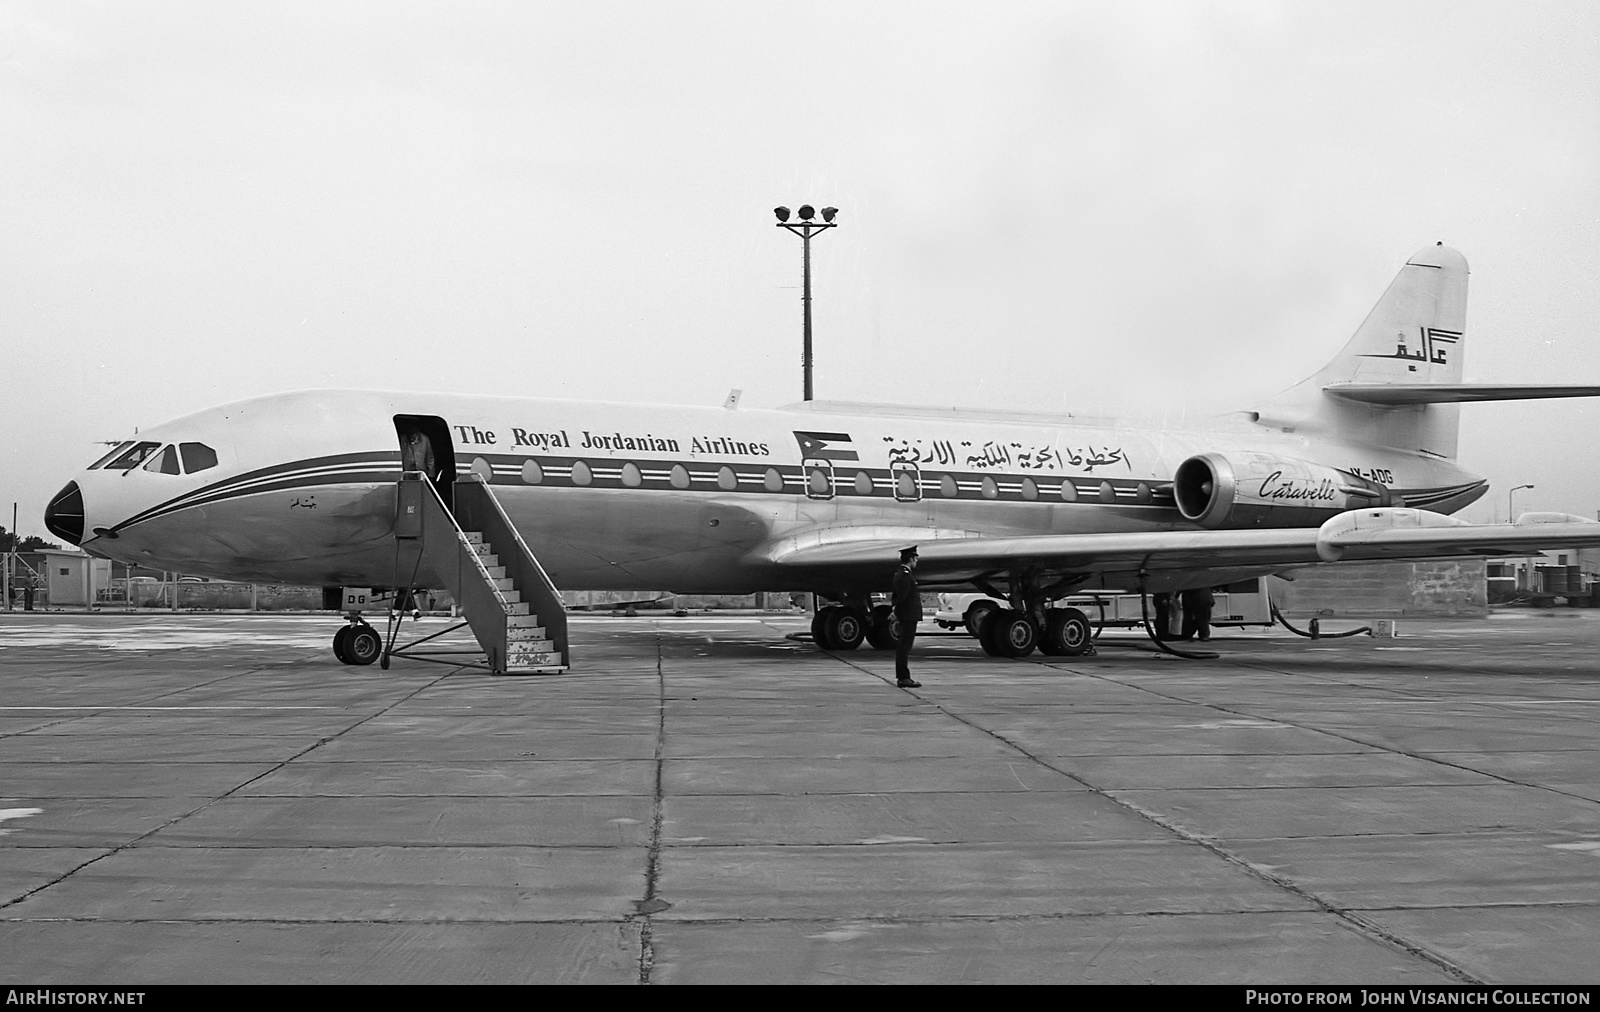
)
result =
(732, 403)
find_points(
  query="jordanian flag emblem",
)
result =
(826, 446)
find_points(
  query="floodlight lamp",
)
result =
(782, 213)
(807, 212)
(828, 213)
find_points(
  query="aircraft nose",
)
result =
(64, 516)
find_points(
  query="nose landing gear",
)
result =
(357, 643)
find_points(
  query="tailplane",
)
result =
(1398, 382)
(1415, 337)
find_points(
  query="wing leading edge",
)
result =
(1355, 536)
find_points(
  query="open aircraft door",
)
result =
(425, 446)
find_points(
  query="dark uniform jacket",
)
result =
(907, 599)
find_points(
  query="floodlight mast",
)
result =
(805, 228)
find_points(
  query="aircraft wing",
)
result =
(1358, 535)
(1444, 393)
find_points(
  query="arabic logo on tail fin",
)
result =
(823, 446)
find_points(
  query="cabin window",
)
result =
(631, 476)
(165, 462)
(948, 487)
(581, 475)
(1030, 491)
(679, 476)
(1069, 492)
(990, 489)
(773, 480)
(1141, 492)
(906, 487)
(1107, 493)
(819, 479)
(727, 480)
(532, 473)
(197, 457)
(132, 457)
(119, 448)
(863, 483)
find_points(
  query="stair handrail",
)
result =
(489, 623)
(522, 565)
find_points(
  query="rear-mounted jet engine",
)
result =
(1261, 490)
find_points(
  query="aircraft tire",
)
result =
(988, 634)
(846, 630)
(1067, 633)
(883, 633)
(1014, 633)
(340, 638)
(819, 627)
(977, 615)
(363, 645)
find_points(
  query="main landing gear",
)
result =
(845, 626)
(1009, 632)
(1030, 624)
(357, 643)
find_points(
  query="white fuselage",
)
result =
(618, 496)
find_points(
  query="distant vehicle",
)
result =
(1239, 604)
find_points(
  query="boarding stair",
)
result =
(471, 548)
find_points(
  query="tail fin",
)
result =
(1416, 334)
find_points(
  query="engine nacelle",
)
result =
(1261, 490)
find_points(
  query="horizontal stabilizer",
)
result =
(1445, 393)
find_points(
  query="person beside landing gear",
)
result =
(907, 613)
(1197, 605)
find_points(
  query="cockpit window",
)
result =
(119, 448)
(197, 457)
(165, 462)
(132, 457)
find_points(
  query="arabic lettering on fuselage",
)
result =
(1000, 453)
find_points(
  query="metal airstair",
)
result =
(471, 548)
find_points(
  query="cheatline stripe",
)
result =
(307, 478)
(287, 484)
(310, 476)
(371, 458)
(383, 466)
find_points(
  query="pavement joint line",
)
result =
(652, 904)
(1341, 735)
(211, 801)
(1360, 923)
(680, 920)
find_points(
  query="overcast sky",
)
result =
(1145, 208)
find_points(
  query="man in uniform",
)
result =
(907, 613)
(1197, 605)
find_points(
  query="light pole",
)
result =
(805, 228)
(1511, 516)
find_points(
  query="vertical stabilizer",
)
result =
(1416, 334)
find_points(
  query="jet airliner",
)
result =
(335, 487)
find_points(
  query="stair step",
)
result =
(526, 632)
(489, 560)
(495, 573)
(504, 583)
(517, 658)
(473, 537)
(521, 619)
(517, 647)
(518, 610)
(511, 596)
(536, 669)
